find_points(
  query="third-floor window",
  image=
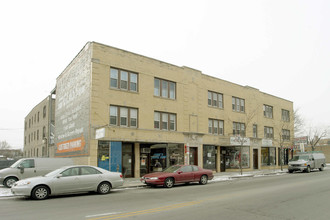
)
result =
(285, 115)
(164, 88)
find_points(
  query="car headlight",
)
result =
(22, 183)
(154, 178)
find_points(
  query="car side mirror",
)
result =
(21, 169)
(59, 175)
(179, 172)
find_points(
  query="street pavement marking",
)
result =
(147, 211)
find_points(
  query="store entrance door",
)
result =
(193, 158)
(255, 159)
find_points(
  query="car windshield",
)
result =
(172, 169)
(299, 157)
(14, 165)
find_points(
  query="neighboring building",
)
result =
(324, 146)
(123, 111)
(39, 129)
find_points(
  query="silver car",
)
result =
(69, 179)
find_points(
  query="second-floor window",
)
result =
(255, 131)
(123, 116)
(216, 127)
(164, 88)
(123, 79)
(238, 104)
(285, 135)
(165, 121)
(269, 132)
(238, 128)
(268, 111)
(215, 99)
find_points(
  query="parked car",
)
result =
(307, 161)
(178, 174)
(69, 179)
(30, 167)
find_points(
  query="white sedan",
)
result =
(70, 179)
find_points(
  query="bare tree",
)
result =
(298, 123)
(4, 145)
(242, 138)
(314, 136)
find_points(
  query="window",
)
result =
(216, 127)
(44, 132)
(238, 104)
(268, 111)
(285, 135)
(269, 133)
(123, 116)
(157, 120)
(164, 88)
(238, 128)
(71, 172)
(29, 163)
(89, 171)
(165, 121)
(285, 115)
(124, 80)
(215, 99)
(268, 156)
(44, 112)
(255, 131)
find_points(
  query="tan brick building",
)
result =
(38, 129)
(123, 111)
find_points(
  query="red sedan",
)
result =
(178, 174)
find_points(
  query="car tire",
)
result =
(104, 188)
(290, 171)
(203, 180)
(308, 170)
(321, 168)
(169, 182)
(9, 182)
(40, 193)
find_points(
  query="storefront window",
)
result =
(233, 157)
(176, 155)
(209, 157)
(268, 156)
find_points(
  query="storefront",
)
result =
(268, 156)
(209, 157)
(157, 157)
(230, 157)
(154, 157)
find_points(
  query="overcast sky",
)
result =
(280, 47)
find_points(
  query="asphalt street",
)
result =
(289, 196)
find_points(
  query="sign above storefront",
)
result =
(99, 133)
(267, 142)
(238, 141)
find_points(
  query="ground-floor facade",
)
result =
(135, 159)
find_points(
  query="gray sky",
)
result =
(280, 47)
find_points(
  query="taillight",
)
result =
(121, 175)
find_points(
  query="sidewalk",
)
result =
(223, 176)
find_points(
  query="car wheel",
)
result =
(9, 182)
(321, 168)
(104, 188)
(308, 169)
(290, 171)
(169, 182)
(40, 193)
(203, 180)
